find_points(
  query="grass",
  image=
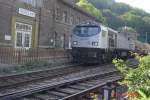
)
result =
(28, 67)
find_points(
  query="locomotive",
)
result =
(95, 43)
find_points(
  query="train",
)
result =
(96, 43)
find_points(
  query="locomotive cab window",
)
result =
(86, 31)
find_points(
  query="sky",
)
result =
(142, 4)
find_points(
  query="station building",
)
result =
(39, 23)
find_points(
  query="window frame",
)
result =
(72, 19)
(57, 13)
(35, 3)
(24, 33)
(65, 16)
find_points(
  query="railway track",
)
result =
(76, 87)
(14, 80)
(62, 83)
(98, 75)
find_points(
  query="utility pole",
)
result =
(146, 39)
(39, 27)
(39, 30)
(54, 25)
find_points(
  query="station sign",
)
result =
(27, 12)
(7, 37)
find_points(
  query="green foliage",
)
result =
(102, 4)
(138, 80)
(112, 20)
(30, 66)
(120, 8)
(143, 96)
(146, 20)
(121, 66)
(37, 63)
(91, 9)
(134, 21)
(139, 12)
(117, 15)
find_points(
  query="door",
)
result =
(23, 35)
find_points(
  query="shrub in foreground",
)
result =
(137, 79)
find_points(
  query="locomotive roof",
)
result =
(110, 29)
(97, 24)
(89, 23)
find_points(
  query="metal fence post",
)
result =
(107, 91)
(19, 57)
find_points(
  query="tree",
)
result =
(115, 15)
(91, 9)
(146, 19)
(112, 19)
(134, 21)
(138, 12)
(102, 4)
(120, 8)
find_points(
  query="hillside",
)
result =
(117, 15)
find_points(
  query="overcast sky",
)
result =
(142, 4)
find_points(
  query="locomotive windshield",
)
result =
(86, 31)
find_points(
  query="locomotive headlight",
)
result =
(94, 43)
(75, 42)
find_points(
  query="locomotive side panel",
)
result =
(103, 38)
(122, 42)
(112, 39)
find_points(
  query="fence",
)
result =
(22, 56)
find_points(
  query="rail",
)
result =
(54, 85)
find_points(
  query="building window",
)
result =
(33, 2)
(65, 16)
(62, 38)
(56, 40)
(69, 45)
(57, 13)
(23, 35)
(19, 39)
(71, 19)
(78, 20)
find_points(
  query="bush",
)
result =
(138, 79)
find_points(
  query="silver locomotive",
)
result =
(95, 43)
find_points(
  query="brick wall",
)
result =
(43, 35)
